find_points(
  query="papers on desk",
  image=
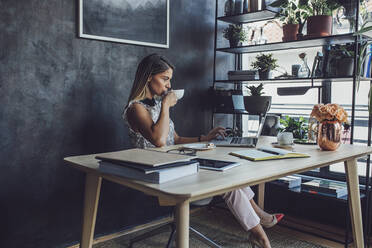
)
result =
(267, 153)
(147, 165)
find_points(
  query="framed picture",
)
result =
(139, 22)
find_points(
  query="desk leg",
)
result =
(352, 179)
(261, 195)
(182, 224)
(91, 197)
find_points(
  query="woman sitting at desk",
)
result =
(150, 126)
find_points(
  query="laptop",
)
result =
(241, 141)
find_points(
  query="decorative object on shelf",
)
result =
(304, 71)
(341, 60)
(238, 7)
(125, 22)
(293, 14)
(317, 70)
(245, 6)
(319, 21)
(297, 126)
(256, 5)
(295, 69)
(330, 118)
(256, 103)
(264, 64)
(229, 7)
(223, 99)
(243, 75)
(235, 34)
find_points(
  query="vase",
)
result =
(329, 135)
(304, 71)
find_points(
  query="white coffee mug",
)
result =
(179, 93)
(285, 138)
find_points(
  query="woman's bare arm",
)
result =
(140, 120)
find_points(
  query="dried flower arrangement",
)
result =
(329, 112)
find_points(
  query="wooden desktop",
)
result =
(206, 183)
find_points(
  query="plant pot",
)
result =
(290, 32)
(329, 135)
(234, 42)
(345, 67)
(264, 74)
(318, 26)
(257, 104)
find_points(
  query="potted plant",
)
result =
(264, 64)
(235, 34)
(293, 15)
(319, 22)
(341, 60)
(297, 126)
(255, 102)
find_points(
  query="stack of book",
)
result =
(243, 75)
(147, 165)
(290, 182)
(325, 187)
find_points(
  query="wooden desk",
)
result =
(206, 183)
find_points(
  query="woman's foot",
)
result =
(272, 220)
(258, 238)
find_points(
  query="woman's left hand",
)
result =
(217, 131)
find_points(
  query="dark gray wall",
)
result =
(62, 96)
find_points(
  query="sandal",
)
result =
(275, 220)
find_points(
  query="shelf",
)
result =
(256, 16)
(242, 112)
(276, 46)
(291, 80)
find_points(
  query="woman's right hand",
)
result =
(169, 99)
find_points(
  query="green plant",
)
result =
(292, 12)
(298, 127)
(234, 32)
(320, 7)
(255, 90)
(265, 62)
(342, 51)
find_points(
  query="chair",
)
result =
(159, 230)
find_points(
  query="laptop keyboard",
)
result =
(236, 140)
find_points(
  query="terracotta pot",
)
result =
(290, 32)
(318, 26)
(329, 135)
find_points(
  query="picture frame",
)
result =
(137, 22)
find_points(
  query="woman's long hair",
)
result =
(149, 66)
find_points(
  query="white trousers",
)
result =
(239, 204)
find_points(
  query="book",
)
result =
(216, 165)
(144, 157)
(326, 187)
(148, 169)
(290, 181)
(159, 175)
(267, 153)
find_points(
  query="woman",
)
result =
(149, 125)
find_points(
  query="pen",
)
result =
(272, 152)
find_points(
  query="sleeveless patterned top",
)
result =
(154, 108)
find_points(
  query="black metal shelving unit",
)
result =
(266, 15)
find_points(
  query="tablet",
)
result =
(217, 165)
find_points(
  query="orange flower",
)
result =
(330, 111)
